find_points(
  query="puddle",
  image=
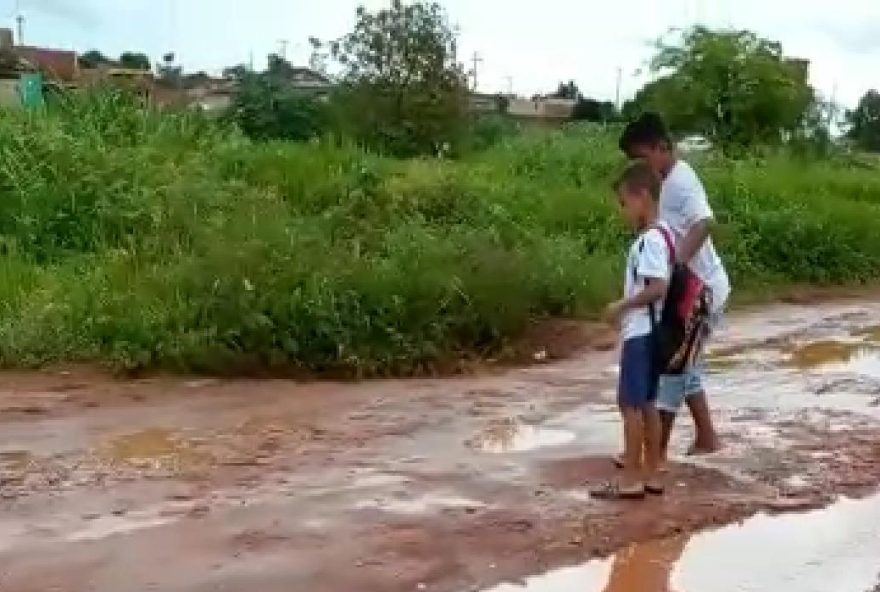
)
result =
(15, 459)
(157, 449)
(512, 436)
(836, 549)
(107, 526)
(419, 505)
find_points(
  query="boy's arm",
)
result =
(693, 241)
(655, 290)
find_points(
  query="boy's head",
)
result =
(638, 191)
(647, 139)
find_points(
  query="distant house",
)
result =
(310, 81)
(58, 65)
(542, 108)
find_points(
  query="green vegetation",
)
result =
(164, 240)
(735, 87)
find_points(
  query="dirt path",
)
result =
(444, 485)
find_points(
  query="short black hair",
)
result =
(639, 176)
(647, 130)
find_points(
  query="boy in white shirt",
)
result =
(684, 206)
(648, 269)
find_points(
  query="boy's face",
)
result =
(636, 205)
(656, 155)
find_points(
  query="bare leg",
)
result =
(706, 439)
(634, 437)
(652, 434)
(667, 421)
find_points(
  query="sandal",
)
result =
(613, 492)
(657, 490)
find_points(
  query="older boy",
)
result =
(685, 207)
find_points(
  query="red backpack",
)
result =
(679, 334)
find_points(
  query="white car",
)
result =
(694, 144)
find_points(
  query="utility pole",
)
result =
(282, 46)
(617, 91)
(476, 60)
(19, 21)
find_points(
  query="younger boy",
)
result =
(648, 269)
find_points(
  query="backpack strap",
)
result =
(670, 244)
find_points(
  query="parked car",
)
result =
(695, 143)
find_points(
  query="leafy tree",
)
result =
(266, 107)
(402, 89)
(864, 122)
(169, 72)
(235, 72)
(568, 91)
(135, 61)
(732, 86)
(592, 110)
(93, 59)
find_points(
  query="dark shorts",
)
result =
(638, 382)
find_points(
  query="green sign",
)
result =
(30, 90)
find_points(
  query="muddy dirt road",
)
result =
(450, 485)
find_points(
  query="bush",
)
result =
(142, 239)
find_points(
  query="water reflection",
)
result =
(835, 549)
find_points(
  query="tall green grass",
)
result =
(144, 240)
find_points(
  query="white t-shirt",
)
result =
(648, 257)
(683, 203)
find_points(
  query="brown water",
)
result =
(832, 550)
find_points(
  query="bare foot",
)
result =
(702, 449)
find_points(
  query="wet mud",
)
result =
(462, 484)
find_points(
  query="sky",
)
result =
(527, 47)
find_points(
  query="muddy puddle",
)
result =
(452, 484)
(834, 549)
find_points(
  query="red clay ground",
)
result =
(447, 484)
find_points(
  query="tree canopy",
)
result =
(135, 61)
(401, 83)
(864, 122)
(733, 86)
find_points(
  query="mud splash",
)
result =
(831, 549)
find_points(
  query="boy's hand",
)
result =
(614, 312)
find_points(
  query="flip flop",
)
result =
(614, 492)
(655, 489)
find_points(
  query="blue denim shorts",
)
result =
(673, 390)
(637, 386)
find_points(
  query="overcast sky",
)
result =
(529, 45)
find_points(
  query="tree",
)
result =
(169, 72)
(266, 107)
(568, 91)
(592, 110)
(733, 86)
(93, 59)
(402, 89)
(135, 61)
(864, 122)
